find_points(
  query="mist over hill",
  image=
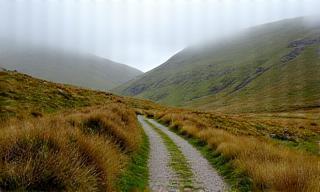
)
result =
(271, 67)
(65, 66)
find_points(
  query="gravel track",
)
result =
(203, 172)
(162, 178)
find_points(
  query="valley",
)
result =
(241, 113)
(242, 148)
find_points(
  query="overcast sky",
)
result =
(139, 33)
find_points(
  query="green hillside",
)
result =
(272, 67)
(62, 66)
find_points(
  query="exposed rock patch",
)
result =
(259, 71)
(137, 89)
(298, 46)
(304, 42)
(222, 86)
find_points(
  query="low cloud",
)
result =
(140, 33)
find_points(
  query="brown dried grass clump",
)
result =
(118, 123)
(272, 167)
(55, 153)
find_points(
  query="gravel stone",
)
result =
(204, 174)
(162, 178)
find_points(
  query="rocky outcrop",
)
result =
(224, 84)
(292, 55)
(259, 71)
(298, 47)
(136, 89)
(304, 42)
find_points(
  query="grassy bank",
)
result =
(136, 176)
(23, 96)
(98, 129)
(83, 150)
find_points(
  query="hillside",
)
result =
(272, 67)
(25, 96)
(63, 138)
(79, 69)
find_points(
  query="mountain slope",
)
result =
(91, 148)
(24, 95)
(271, 67)
(65, 67)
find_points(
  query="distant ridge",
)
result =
(69, 67)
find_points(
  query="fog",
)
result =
(140, 33)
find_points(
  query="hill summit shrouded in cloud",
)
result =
(270, 67)
(139, 33)
(69, 67)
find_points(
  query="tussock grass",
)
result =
(92, 146)
(118, 124)
(271, 166)
(58, 153)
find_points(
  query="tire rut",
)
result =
(205, 177)
(161, 177)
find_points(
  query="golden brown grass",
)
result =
(118, 123)
(298, 121)
(86, 149)
(272, 167)
(92, 144)
(23, 96)
(75, 151)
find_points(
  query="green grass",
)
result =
(207, 76)
(178, 161)
(310, 145)
(235, 178)
(136, 177)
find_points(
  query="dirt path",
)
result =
(204, 176)
(161, 176)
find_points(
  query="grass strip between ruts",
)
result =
(178, 161)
